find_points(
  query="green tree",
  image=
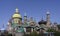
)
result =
(56, 33)
(50, 30)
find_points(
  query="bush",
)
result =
(33, 34)
(57, 33)
(50, 30)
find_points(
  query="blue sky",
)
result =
(33, 8)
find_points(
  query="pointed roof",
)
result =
(3, 28)
(25, 14)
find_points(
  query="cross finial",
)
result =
(16, 9)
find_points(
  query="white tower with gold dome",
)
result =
(17, 19)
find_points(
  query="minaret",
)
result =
(48, 19)
(25, 18)
(3, 27)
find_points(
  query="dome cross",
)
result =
(16, 9)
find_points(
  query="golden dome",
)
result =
(16, 15)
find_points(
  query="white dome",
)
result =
(48, 12)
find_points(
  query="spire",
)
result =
(31, 18)
(3, 25)
(3, 28)
(42, 18)
(16, 10)
(25, 14)
(25, 18)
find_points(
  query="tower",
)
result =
(25, 18)
(9, 28)
(15, 24)
(32, 23)
(48, 19)
(16, 18)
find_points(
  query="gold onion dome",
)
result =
(16, 14)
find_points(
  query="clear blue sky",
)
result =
(34, 8)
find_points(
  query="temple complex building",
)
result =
(17, 27)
